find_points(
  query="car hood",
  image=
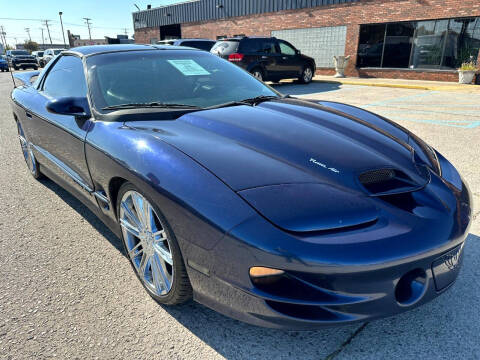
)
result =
(23, 57)
(291, 142)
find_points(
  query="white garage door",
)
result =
(320, 43)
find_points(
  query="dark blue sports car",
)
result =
(273, 210)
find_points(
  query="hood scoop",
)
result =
(391, 181)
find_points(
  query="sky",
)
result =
(108, 18)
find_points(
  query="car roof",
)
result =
(238, 38)
(102, 49)
(193, 39)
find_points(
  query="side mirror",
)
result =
(73, 106)
(298, 52)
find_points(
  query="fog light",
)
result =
(261, 272)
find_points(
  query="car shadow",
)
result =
(84, 211)
(292, 88)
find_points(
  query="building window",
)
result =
(433, 44)
(370, 49)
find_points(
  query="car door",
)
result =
(59, 140)
(290, 62)
(269, 56)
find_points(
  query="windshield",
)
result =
(40, 53)
(20, 52)
(193, 78)
(57, 51)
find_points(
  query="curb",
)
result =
(403, 86)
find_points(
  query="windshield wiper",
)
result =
(150, 105)
(259, 99)
(249, 102)
(227, 104)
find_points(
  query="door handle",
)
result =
(264, 57)
(284, 57)
(27, 114)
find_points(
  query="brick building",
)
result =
(413, 39)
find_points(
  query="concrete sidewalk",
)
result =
(401, 83)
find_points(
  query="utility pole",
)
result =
(45, 22)
(125, 31)
(2, 36)
(87, 21)
(28, 32)
(63, 32)
(43, 39)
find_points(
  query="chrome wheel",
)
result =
(258, 74)
(146, 243)
(307, 75)
(27, 151)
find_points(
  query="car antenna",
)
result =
(11, 74)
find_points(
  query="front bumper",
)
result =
(24, 63)
(336, 279)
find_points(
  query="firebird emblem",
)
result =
(318, 163)
(452, 260)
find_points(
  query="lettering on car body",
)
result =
(318, 163)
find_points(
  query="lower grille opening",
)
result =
(306, 312)
(411, 287)
(288, 287)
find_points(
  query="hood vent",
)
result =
(385, 181)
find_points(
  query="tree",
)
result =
(30, 45)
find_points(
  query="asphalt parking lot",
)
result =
(67, 292)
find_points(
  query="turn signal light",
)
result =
(259, 272)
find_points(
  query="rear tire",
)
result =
(28, 155)
(152, 248)
(258, 74)
(15, 68)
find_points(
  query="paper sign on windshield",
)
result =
(188, 67)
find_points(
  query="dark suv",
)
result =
(266, 58)
(21, 59)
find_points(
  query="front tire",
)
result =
(152, 248)
(307, 75)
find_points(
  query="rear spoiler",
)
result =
(26, 76)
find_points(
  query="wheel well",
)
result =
(113, 187)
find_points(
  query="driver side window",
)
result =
(286, 49)
(66, 78)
